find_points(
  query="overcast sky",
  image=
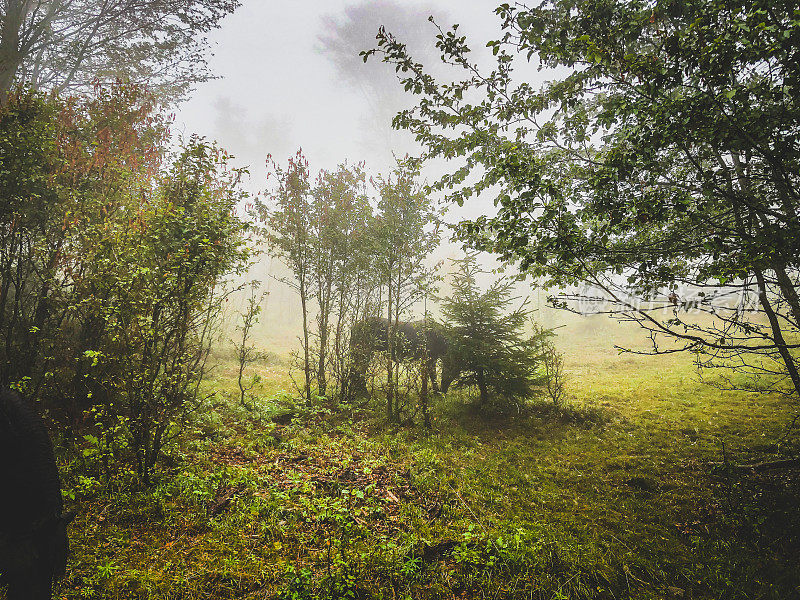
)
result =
(290, 77)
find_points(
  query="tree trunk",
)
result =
(324, 285)
(10, 54)
(788, 291)
(395, 329)
(322, 383)
(242, 390)
(777, 334)
(339, 357)
(423, 396)
(484, 397)
(306, 355)
(389, 365)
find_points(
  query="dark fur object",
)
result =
(33, 528)
(416, 340)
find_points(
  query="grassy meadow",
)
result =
(624, 492)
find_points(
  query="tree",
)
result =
(407, 232)
(113, 265)
(246, 352)
(552, 364)
(339, 206)
(68, 44)
(339, 219)
(356, 282)
(324, 233)
(487, 341)
(173, 256)
(659, 167)
(343, 35)
(287, 217)
(71, 167)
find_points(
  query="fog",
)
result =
(290, 76)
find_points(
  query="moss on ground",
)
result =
(616, 495)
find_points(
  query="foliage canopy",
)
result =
(660, 166)
(67, 45)
(113, 261)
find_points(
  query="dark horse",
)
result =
(33, 528)
(416, 340)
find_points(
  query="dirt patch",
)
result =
(332, 474)
(368, 483)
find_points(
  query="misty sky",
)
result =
(290, 77)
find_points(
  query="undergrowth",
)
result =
(623, 492)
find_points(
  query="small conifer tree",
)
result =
(488, 345)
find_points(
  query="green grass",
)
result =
(615, 495)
